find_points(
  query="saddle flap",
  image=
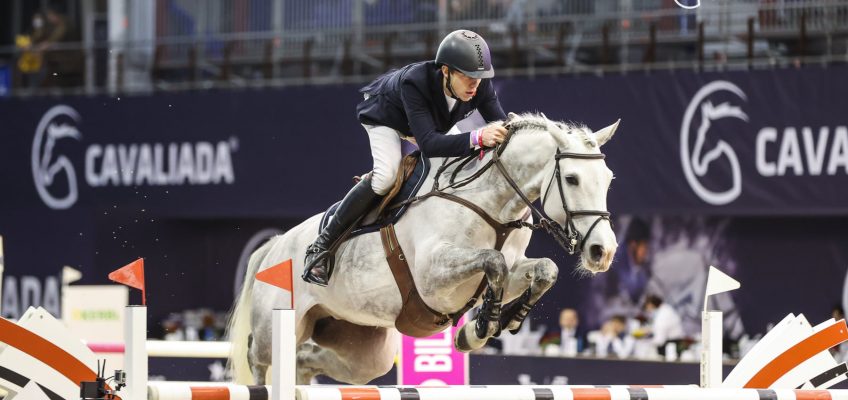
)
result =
(407, 167)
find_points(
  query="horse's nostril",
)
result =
(596, 251)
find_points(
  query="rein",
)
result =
(569, 237)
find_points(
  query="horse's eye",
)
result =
(572, 180)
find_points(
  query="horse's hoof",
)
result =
(461, 341)
(484, 328)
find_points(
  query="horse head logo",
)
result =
(697, 160)
(59, 122)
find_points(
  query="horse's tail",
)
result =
(238, 327)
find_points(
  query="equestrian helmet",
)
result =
(467, 52)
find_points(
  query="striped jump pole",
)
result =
(505, 392)
(206, 391)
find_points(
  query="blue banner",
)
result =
(194, 181)
(732, 143)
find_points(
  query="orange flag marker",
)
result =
(279, 275)
(131, 275)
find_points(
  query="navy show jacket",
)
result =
(411, 101)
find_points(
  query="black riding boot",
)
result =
(353, 206)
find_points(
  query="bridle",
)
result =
(569, 237)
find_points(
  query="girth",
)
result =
(416, 318)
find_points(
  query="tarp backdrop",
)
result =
(744, 170)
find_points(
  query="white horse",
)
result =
(347, 330)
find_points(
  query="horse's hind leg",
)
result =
(259, 360)
(536, 276)
(347, 352)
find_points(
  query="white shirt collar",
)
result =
(451, 102)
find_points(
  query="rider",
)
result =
(423, 100)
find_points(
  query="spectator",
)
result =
(567, 341)
(613, 339)
(571, 342)
(48, 28)
(665, 323)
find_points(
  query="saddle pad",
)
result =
(409, 190)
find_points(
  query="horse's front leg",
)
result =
(455, 265)
(534, 276)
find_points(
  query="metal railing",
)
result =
(231, 43)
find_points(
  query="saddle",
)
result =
(413, 170)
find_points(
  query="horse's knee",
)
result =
(495, 267)
(546, 273)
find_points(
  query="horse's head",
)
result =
(574, 180)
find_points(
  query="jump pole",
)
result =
(711, 349)
(283, 358)
(711, 329)
(135, 353)
(170, 348)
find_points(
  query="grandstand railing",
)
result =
(191, 44)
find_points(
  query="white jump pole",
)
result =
(283, 356)
(135, 353)
(711, 349)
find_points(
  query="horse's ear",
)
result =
(510, 118)
(604, 135)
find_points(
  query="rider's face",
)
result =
(464, 86)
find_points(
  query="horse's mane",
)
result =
(527, 124)
(536, 122)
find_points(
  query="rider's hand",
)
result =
(493, 134)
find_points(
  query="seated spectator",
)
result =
(613, 339)
(571, 342)
(567, 341)
(664, 324)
